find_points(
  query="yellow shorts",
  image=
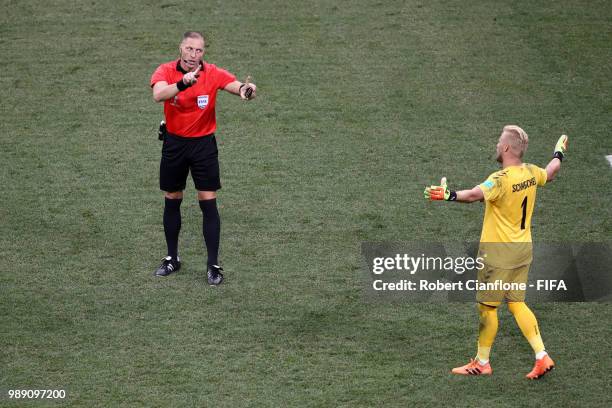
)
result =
(498, 278)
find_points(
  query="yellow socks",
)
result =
(528, 324)
(486, 331)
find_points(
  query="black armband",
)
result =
(182, 86)
(452, 196)
(241, 86)
(558, 155)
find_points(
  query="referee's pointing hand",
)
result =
(191, 78)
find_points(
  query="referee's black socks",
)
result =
(211, 228)
(172, 225)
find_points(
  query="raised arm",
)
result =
(554, 165)
(552, 168)
(163, 91)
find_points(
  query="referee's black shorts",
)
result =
(182, 154)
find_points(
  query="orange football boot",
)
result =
(541, 367)
(473, 368)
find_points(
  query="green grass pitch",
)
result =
(360, 105)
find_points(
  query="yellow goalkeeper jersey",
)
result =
(509, 201)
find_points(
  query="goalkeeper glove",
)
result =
(560, 148)
(440, 192)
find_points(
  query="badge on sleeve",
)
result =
(202, 101)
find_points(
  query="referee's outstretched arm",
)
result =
(246, 90)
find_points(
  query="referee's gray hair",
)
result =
(193, 34)
(519, 139)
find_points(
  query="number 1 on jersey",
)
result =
(524, 205)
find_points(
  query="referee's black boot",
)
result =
(215, 277)
(168, 266)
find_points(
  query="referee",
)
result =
(188, 87)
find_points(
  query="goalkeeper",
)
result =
(509, 196)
